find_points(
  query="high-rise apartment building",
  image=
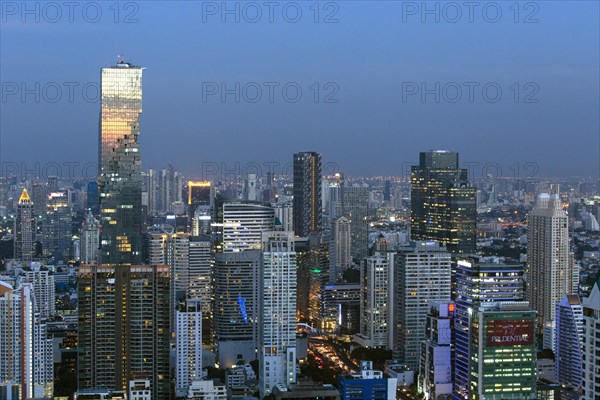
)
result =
(376, 303)
(188, 346)
(342, 233)
(549, 271)
(476, 284)
(355, 207)
(569, 338)
(307, 193)
(201, 264)
(591, 344)
(244, 223)
(123, 327)
(423, 273)
(43, 286)
(119, 162)
(89, 237)
(443, 202)
(26, 369)
(25, 228)
(277, 330)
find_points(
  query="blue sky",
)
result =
(371, 61)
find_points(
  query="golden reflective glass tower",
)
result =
(119, 181)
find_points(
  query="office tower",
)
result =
(423, 273)
(244, 223)
(443, 202)
(25, 230)
(376, 305)
(367, 384)
(341, 304)
(123, 327)
(199, 203)
(387, 191)
(93, 198)
(119, 181)
(549, 275)
(307, 193)
(236, 310)
(479, 283)
(302, 248)
(277, 330)
(250, 189)
(56, 227)
(201, 262)
(355, 207)
(26, 369)
(503, 351)
(90, 239)
(43, 287)
(188, 345)
(39, 198)
(437, 352)
(591, 357)
(343, 243)
(569, 337)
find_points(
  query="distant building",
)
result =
(90, 240)
(188, 346)
(307, 193)
(56, 227)
(569, 338)
(343, 243)
(25, 228)
(355, 207)
(43, 287)
(443, 202)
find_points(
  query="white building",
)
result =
(423, 274)
(591, 332)
(44, 290)
(207, 390)
(188, 346)
(550, 276)
(244, 223)
(343, 240)
(569, 336)
(376, 301)
(284, 212)
(25, 352)
(200, 269)
(277, 348)
(250, 187)
(139, 389)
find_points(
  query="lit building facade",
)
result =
(56, 227)
(569, 338)
(25, 228)
(43, 286)
(277, 331)
(307, 193)
(244, 223)
(188, 346)
(443, 202)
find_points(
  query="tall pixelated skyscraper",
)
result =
(307, 194)
(24, 228)
(443, 202)
(120, 183)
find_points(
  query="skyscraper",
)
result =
(56, 227)
(188, 345)
(123, 327)
(277, 330)
(479, 283)
(25, 228)
(119, 181)
(591, 332)
(199, 194)
(26, 369)
(42, 283)
(569, 338)
(549, 275)
(443, 202)
(201, 264)
(307, 193)
(355, 207)
(243, 225)
(90, 239)
(342, 233)
(423, 273)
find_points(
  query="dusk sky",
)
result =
(374, 61)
